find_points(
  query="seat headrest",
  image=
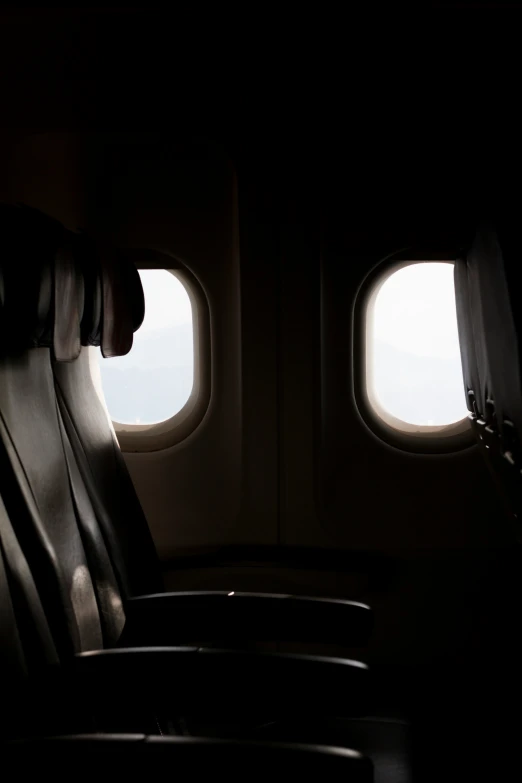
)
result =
(68, 300)
(60, 290)
(114, 303)
(41, 288)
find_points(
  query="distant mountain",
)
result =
(149, 395)
(171, 347)
(425, 388)
(154, 381)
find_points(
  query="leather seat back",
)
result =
(490, 347)
(114, 309)
(42, 302)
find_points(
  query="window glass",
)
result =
(413, 355)
(154, 381)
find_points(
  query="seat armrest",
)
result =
(210, 682)
(203, 757)
(219, 617)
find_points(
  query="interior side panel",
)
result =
(282, 456)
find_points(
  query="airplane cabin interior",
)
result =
(260, 415)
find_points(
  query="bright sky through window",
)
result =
(415, 358)
(154, 381)
(166, 301)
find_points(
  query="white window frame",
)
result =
(171, 431)
(410, 437)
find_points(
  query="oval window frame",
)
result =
(134, 438)
(437, 439)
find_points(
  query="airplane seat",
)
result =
(59, 534)
(489, 332)
(70, 558)
(77, 561)
(37, 709)
(41, 307)
(474, 361)
(113, 310)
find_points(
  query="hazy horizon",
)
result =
(417, 374)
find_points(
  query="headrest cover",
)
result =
(87, 255)
(39, 306)
(114, 302)
(68, 301)
(58, 289)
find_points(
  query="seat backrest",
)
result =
(13, 662)
(114, 308)
(42, 302)
(27, 650)
(470, 372)
(490, 346)
(491, 260)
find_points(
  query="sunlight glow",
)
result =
(166, 300)
(414, 358)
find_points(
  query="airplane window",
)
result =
(414, 372)
(154, 381)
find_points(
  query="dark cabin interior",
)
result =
(278, 190)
